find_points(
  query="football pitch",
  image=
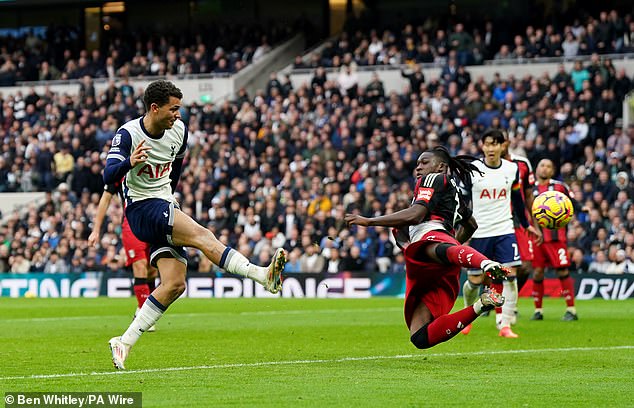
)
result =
(325, 353)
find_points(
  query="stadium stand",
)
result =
(56, 54)
(281, 167)
(492, 42)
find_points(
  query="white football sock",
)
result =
(145, 318)
(477, 307)
(470, 293)
(509, 292)
(240, 265)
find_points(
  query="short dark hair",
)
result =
(498, 135)
(159, 92)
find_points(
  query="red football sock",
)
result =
(568, 290)
(465, 256)
(142, 291)
(498, 287)
(538, 293)
(447, 326)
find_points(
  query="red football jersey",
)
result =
(553, 185)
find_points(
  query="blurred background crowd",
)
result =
(282, 167)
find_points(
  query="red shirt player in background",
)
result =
(553, 252)
(434, 252)
(525, 241)
(137, 252)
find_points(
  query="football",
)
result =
(552, 210)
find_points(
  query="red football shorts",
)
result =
(135, 250)
(553, 254)
(435, 285)
(524, 244)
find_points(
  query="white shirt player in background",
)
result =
(491, 197)
(148, 152)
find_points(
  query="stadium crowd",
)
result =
(431, 42)
(57, 54)
(280, 168)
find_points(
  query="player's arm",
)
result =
(576, 205)
(519, 208)
(467, 224)
(425, 198)
(177, 165)
(409, 216)
(104, 203)
(120, 160)
(465, 229)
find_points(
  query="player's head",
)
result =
(429, 163)
(438, 160)
(545, 169)
(163, 100)
(492, 144)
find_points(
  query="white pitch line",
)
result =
(253, 313)
(317, 361)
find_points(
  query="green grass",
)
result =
(335, 352)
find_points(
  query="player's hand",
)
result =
(139, 155)
(537, 233)
(354, 219)
(93, 238)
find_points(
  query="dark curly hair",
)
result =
(159, 92)
(461, 166)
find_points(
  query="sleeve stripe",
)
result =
(115, 156)
(429, 180)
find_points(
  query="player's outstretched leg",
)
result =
(470, 293)
(447, 326)
(189, 233)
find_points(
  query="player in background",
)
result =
(149, 152)
(493, 189)
(524, 240)
(137, 252)
(553, 252)
(433, 250)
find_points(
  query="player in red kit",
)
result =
(434, 254)
(553, 252)
(137, 252)
(525, 241)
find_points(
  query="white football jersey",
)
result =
(150, 179)
(491, 198)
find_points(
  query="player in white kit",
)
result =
(149, 152)
(491, 197)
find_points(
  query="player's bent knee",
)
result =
(421, 339)
(174, 288)
(441, 252)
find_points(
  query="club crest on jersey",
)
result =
(116, 140)
(173, 147)
(493, 194)
(157, 171)
(424, 194)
